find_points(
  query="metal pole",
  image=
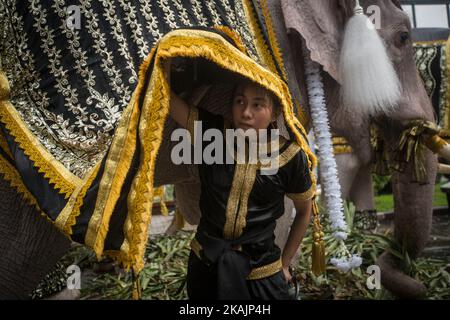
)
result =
(414, 15)
(448, 14)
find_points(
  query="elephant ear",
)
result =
(321, 24)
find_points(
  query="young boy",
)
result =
(234, 255)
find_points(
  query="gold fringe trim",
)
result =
(183, 43)
(4, 146)
(11, 175)
(234, 36)
(68, 216)
(302, 115)
(273, 39)
(154, 112)
(64, 180)
(116, 168)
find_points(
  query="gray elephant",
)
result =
(430, 48)
(319, 24)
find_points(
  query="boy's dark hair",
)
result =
(272, 97)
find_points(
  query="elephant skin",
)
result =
(320, 25)
(29, 245)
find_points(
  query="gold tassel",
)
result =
(318, 249)
(137, 290)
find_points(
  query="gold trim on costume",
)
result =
(242, 185)
(234, 36)
(154, 112)
(288, 154)
(265, 271)
(304, 196)
(256, 273)
(234, 199)
(67, 217)
(283, 158)
(194, 44)
(241, 218)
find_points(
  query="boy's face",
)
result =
(252, 107)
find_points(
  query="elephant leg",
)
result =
(396, 281)
(361, 191)
(29, 245)
(348, 166)
(413, 217)
(361, 194)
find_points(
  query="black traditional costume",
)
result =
(234, 255)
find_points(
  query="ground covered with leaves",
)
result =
(164, 274)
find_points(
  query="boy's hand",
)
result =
(287, 274)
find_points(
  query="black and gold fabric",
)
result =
(239, 207)
(431, 61)
(83, 108)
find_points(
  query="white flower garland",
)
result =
(328, 168)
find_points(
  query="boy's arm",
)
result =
(179, 110)
(296, 234)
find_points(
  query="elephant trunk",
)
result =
(413, 216)
(396, 281)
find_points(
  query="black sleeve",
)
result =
(208, 120)
(299, 185)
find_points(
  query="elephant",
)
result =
(429, 45)
(319, 25)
